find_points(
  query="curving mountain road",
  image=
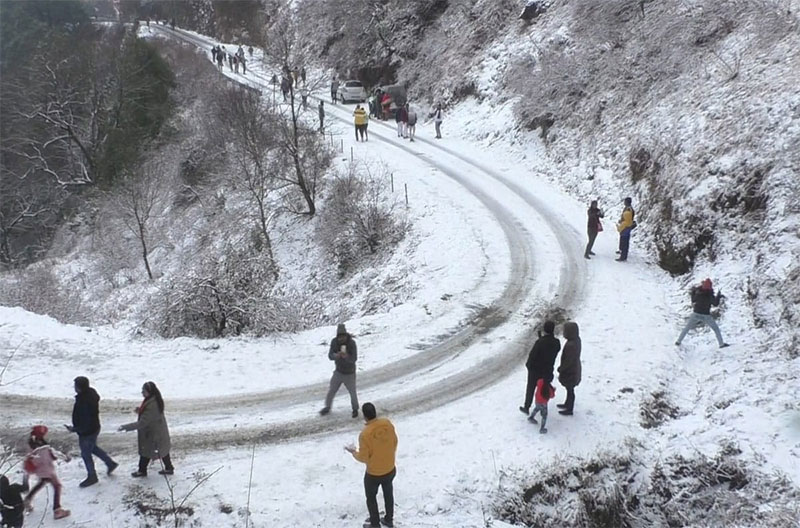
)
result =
(517, 299)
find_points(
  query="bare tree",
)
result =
(250, 132)
(304, 150)
(139, 200)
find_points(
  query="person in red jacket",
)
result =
(544, 393)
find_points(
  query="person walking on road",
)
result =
(377, 447)
(593, 227)
(322, 117)
(86, 423)
(625, 225)
(304, 93)
(344, 353)
(41, 461)
(702, 299)
(360, 118)
(541, 360)
(411, 125)
(334, 90)
(569, 372)
(152, 433)
(437, 120)
(400, 118)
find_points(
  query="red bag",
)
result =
(599, 226)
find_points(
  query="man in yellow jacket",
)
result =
(361, 119)
(625, 225)
(377, 445)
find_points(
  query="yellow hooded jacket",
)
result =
(360, 116)
(377, 445)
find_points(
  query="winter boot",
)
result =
(138, 474)
(524, 410)
(324, 411)
(90, 481)
(355, 413)
(543, 430)
(565, 412)
(60, 513)
(111, 468)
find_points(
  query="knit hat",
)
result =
(340, 329)
(706, 285)
(39, 431)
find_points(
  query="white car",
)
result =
(352, 91)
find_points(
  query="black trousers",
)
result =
(144, 462)
(371, 485)
(530, 387)
(569, 403)
(590, 244)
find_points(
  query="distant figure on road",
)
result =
(250, 51)
(360, 118)
(411, 125)
(322, 117)
(702, 299)
(593, 227)
(303, 74)
(541, 360)
(304, 93)
(285, 87)
(377, 447)
(334, 89)
(438, 116)
(172, 24)
(344, 353)
(569, 372)
(86, 423)
(625, 226)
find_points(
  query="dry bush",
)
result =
(37, 289)
(619, 489)
(360, 217)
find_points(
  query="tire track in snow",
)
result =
(572, 278)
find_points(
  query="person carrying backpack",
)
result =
(41, 461)
(702, 299)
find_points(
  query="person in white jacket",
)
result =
(437, 120)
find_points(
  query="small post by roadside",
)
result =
(391, 180)
(406, 186)
(351, 154)
(341, 146)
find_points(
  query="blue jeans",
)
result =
(88, 445)
(696, 319)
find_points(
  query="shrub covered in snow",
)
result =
(628, 489)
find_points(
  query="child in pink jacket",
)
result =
(544, 393)
(41, 461)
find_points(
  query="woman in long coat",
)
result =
(569, 372)
(152, 431)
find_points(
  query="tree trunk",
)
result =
(267, 240)
(298, 168)
(144, 251)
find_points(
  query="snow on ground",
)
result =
(451, 459)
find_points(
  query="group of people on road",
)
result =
(152, 438)
(235, 60)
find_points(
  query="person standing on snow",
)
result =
(12, 505)
(625, 225)
(398, 119)
(152, 433)
(702, 299)
(86, 423)
(541, 360)
(41, 461)
(411, 128)
(322, 117)
(377, 447)
(544, 393)
(334, 90)
(244, 64)
(344, 353)
(593, 227)
(303, 74)
(304, 97)
(437, 120)
(569, 372)
(360, 118)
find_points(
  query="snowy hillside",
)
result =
(689, 108)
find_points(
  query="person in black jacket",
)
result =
(12, 505)
(593, 227)
(702, 299)
(541, 360)
(344, 353)
(86, 423)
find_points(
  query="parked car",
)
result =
(352, 91)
